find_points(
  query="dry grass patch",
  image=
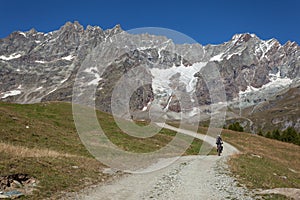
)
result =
(21, 151)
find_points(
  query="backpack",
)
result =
(219, 140)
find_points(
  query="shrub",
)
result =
(236, 127)
(290, 135)
(269, 135)
(276, 134)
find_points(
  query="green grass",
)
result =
(264, 162)
(50, 125)
(28, 132)
(55, 174)
(263, 172)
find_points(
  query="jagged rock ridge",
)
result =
(38, 67)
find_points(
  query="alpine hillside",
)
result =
(261, 78)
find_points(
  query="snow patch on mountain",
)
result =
(96, 80)
(161, 77)
(276, 82)
(91, 70)
(239, 53)
(253, 96)
(239, 35)
(147, 106)
(264, 47)
(217, 57)
(22, 33)
(53, 90)
(11, 57)
(39, 88)
(249, 89)
(64, 80)
(68, 58)
(10, 93)
(40, 61)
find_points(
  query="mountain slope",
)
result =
(43, 67)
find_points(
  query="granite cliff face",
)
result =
(255, 73)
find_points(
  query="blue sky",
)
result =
(207, 22)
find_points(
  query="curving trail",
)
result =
(228, 149)
(190, 177)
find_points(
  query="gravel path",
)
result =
(190, 177)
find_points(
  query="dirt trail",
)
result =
(190, 177)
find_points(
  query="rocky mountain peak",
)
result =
(32, 31)
(115, 30)
(291, 45)
(69, 26)
(90, 28)
(243, 37)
